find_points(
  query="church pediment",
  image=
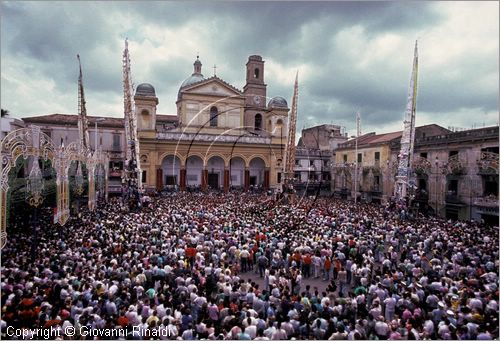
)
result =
(213, 86)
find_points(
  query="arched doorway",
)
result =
(257, 168)
(215, 168)
(171, 167)
(194, 166)
(237, 170)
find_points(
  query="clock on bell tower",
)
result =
(255, 88)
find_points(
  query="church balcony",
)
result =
(452, 198)
(179, 136)
(374, 165)
(486, 201)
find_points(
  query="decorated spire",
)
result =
(83, 123)
(405, 157)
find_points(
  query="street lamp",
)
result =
(355, 169)
(436, 187)
(358, 130)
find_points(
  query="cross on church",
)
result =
(215, 69)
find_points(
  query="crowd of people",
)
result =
(244, 267)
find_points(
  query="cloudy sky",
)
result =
(351, 56)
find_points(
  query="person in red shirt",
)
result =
(307, 265)
(122, 321)
(328, 266)
(190, 255)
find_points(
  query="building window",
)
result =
(490, 186)
(116, 142)
(48, 133)
(360, 157)
(345, 158)
(377, 156)
(256, 73)
(258, 122)
(213, 116)
(144, 176)
(453, 187)
(311, 162)
(297, 162)
(145, 112)
(453, 153)
(279, 177)
(424, 155)
(490, 150)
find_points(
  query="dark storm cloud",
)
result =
(49, 38)
(43, 38)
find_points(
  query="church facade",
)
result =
(220, 138)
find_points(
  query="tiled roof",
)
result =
(373, 139)
(166, 118)
(72, 119)
(386, 137)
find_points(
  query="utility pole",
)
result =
(358, 131)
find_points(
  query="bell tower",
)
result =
(255, 88)
(145, 106)
(255, 91)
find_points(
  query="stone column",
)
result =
(226, 180)
(106, 179)
(266, 178)
(247, 179)
(183, 178)
(159, 179)
(204, 179)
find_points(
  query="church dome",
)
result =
(194, 78)
(277, 102)
(145, 89)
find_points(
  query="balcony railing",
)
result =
(487, 201)
(452, 198)
(488, 163)
(116, 173)
(178, 136)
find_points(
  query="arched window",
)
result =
(213, 116)
(145, 112)
(256, 73)
(258, 122)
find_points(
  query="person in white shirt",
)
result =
(390, 308)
